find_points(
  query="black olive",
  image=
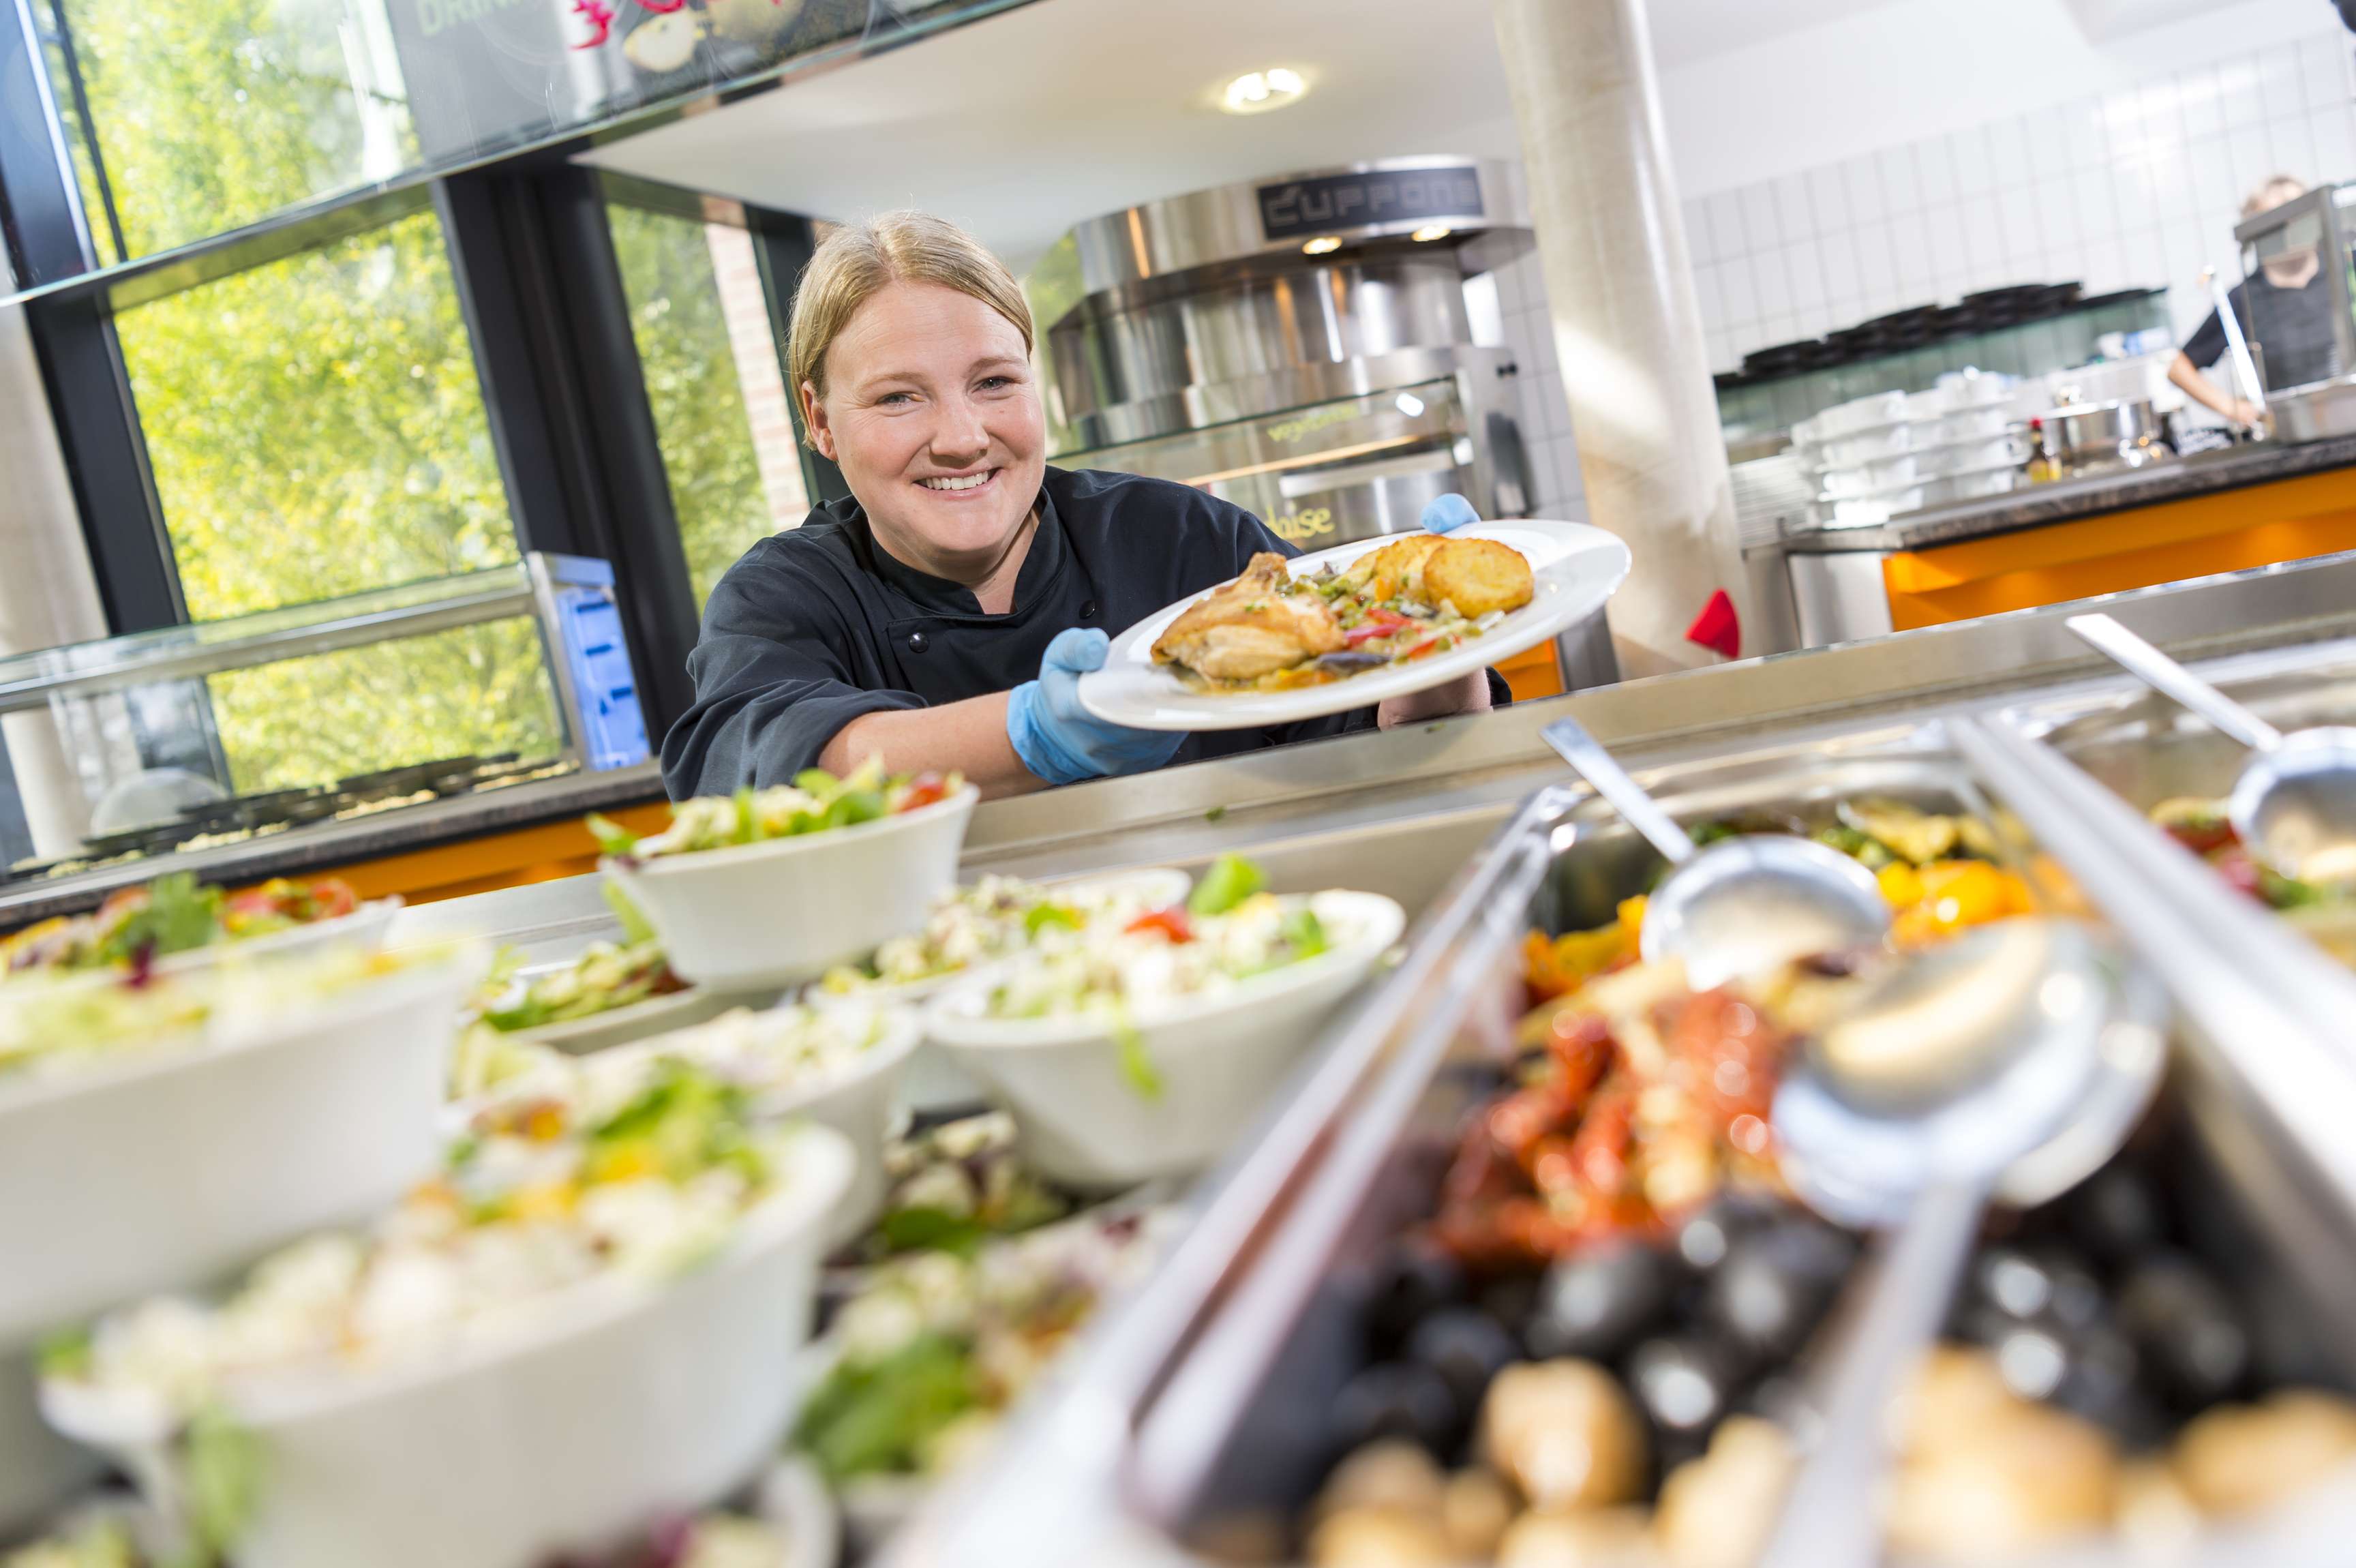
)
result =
(2117, 1215)
(2194, 1346)
(1510, 1298)
(1395, 1398)
(1467, 1346)
(1415, 1279)
(1684, 1384)
(1708, 1234)
(1774, 1285)
(1599, 1301)
(2100, 1383)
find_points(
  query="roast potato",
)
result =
(1477, 575)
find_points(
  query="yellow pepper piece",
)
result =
(541, 1200)
(1631, 920)
(1902, 885)
(627, 1162)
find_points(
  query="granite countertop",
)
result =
(319, 846)
(2204, 473)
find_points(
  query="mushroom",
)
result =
(1564, 1433)
(1581, 1538)
(2239, 1457)
(1715, 1511)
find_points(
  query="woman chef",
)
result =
(942, 615)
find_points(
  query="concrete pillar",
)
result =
(1627, 325)
(47, 594)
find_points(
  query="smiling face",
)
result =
(931, 411)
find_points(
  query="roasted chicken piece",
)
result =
(1251, 627)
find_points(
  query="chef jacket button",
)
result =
(918, 642)
(1088, 610)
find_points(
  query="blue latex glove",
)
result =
(1449, 512)
(1062, 742)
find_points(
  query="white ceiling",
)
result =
(1688, 30)
(1022, 125)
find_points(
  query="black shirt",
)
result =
(818, 626)
(2292, 327)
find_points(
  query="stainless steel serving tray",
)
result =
(1204, 1395)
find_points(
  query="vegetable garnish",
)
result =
(1230, 881)
(814, 802)
(171, 914)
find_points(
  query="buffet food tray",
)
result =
(1205, 1402)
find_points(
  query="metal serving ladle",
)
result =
(2009, 1062)
(1741, 905)
(2294, 804)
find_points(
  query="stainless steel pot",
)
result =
(2087, 437)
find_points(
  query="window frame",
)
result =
(540, 291)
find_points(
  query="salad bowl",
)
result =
(1073, 1082)
(783, 910)
(856, 1097)
(147, 1165)
(605, 1408)
(934, 1082)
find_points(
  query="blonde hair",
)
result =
(858, 261)
(2282, 188)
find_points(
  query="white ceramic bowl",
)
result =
(789, 910)
(859, 1101)
(1084, 1123)
(572, 1428)
(934, 1081)
(158, 1167)
(365, 928)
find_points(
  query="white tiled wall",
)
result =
(1528, 331)
(2136, 188)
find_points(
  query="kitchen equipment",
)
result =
(2091, 436)
(1743, 903)
(1301, 344)
(2002, 1054)
(2295, 803)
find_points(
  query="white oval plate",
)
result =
(1578, 568)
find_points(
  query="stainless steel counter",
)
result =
(2204, 473)
(1401, 812)
(317, 846)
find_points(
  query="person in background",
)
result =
(2284, 310)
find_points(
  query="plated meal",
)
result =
(1353, 626)
(171, 914)
(1271, 631)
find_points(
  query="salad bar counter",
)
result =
(1306, 1158)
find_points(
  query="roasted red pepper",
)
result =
(1170, 922)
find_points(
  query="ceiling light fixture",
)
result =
(1324, 244)
(1258, 92)
(1431, 232)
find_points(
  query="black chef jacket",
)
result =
(820, 625)
(2292, 327)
